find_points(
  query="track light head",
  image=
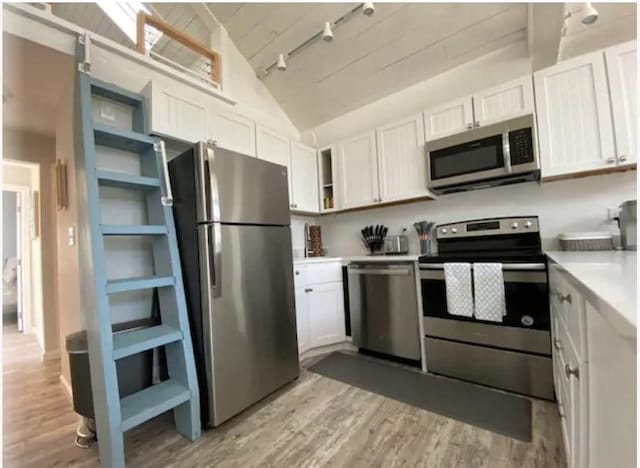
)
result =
(327, 33)
(590, 14)
(368, 8)
(282, 65)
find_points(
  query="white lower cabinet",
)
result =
(302, 319)
(326, 314)
(319, 305)
(595, 380)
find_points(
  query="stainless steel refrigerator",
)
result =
(232, 220)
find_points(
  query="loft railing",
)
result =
(206, 63)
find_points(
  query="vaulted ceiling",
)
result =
(370, 56)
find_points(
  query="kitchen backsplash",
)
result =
(563, 206)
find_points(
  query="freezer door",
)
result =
(235, 188)
(248, 303)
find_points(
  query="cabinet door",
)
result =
(275, 148)
(612, 399)
(575, 132)
(621, 67)
(358, 171)
(175, 115)
(504, 101)
(402, 160)
(452, 117)
(233, 131)
(326, 314)
(302, 319)
(304, 178)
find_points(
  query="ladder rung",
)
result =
(133, 230)
(150, 402)
(134, 284)
(114, 137)
(120, 180)
(111, 91)
(126, 343)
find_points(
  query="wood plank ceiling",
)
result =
(370, 57)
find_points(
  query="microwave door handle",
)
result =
(506, 152)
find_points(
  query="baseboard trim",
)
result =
(67, 387)
(50, 355)
(344, 346)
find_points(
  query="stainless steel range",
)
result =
(502, 337)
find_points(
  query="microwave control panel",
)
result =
(521, 146)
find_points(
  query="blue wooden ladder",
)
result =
(180, 392)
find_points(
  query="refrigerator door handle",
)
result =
(212, 253)
(213, 196)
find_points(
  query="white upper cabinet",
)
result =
(504, 101)
(621, 67)
(447, 119)
(402, 160)
(575, 131)
(273, 147)
(233, 131)
(304, 178)
(174, 114)
(358, 171)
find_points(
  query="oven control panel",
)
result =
(488, 227)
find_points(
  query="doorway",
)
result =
(21, 250)
(12, 258)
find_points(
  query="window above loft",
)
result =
(124, 15)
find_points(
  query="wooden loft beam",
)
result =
(144, 19)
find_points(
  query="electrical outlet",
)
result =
(107, 111)
(612, 213)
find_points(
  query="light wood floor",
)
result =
(314, 422)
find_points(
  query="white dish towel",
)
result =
(457, 277)
(490, 302)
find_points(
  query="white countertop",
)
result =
(611, 279)
(360, 258)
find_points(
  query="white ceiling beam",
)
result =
(544, 33)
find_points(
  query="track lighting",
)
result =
(282, 65)
(327, 33)
(368, 8)
(590, 14)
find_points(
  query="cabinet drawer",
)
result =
(568, 305)
(299, 275)
(318, 273)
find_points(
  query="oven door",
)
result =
(462, 161)
(526, 294)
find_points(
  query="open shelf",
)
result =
(327, 194)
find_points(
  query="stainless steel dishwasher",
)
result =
(384, 308)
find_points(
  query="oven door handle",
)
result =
(372, 271)
(505, 266)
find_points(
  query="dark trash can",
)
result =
(135, 372)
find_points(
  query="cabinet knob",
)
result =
(561, 409)
(476, 124)
(611, 160)
(623, 157)
(297, 272)
(308, 289)
(470, 125)
(556, 344)
(564, 298)
(568, 371)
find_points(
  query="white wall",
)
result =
(563, 206)
(9, 225)
(484, 72)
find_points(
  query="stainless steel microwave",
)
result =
(498, 154)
